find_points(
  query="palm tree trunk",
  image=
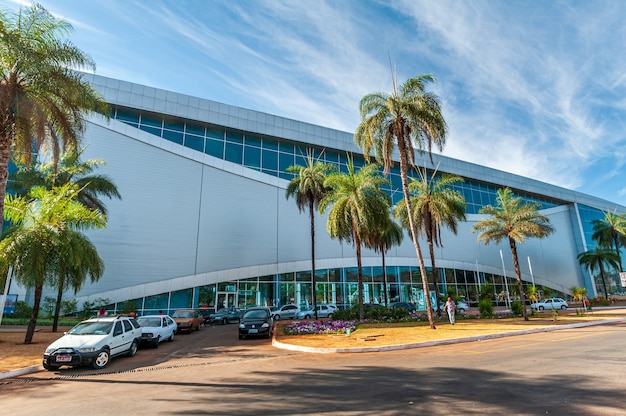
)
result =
(617, 251)
(357, 243)
(313, 282)
(382, 250)
(57, 308)
(518, 275)
(606, 294)
(431, 249)
(404, 166)
(32, 323)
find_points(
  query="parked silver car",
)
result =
(323, 311)
(284, 312)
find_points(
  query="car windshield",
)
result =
(149, 321)
(182, 315)
(256, 314)
(91, 328)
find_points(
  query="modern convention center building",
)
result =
(204, 220)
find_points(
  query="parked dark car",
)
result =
(226, 315)
(256, 321)
(404, 305)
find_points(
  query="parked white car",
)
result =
(94, 342)
(552, 303)
(156, 328)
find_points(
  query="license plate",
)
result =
(64, 358)
(253, 331)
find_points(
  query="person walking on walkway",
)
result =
(450, 307)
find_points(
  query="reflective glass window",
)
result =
(194, 129)
(252, 140)
(286, 147)
(151, 121)
(233, 153)
(175, 125)
(234, 137)
(152, 130)
(284, 161)
(181, 299)
(173, 136)
(215, 134)
(270, 144)
(252, 156)
(269, 160)
(194, 142)
(214, 148)
(127, 117)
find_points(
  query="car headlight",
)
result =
(242, 326)
(265, 325)
(149, 334)
(49, 350)
(87, 349)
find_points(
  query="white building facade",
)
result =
(204, 221)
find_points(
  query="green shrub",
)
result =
(516, 308)
(22, 311)
(346, 314)
(377, 313)
(485, 307)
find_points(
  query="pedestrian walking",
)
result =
(450, 307)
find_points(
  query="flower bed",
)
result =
(319, 327)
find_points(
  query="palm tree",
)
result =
(579, 294)
(44, 223)
(307, 187)
(597, 259)
(515, 221)
(435, 205)
(611, 232)
(42, 98)
(70, 169)
(409, 118)
(381, 238)
(358, 204)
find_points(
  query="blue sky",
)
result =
(536, 88)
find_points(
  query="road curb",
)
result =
(474, 338)
(21, 371)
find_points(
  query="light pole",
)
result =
(7, 287)
(506, 284)
(530, 267)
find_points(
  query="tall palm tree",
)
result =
(435, 205)
(42, 98)
(513, 220)
(598, 258)
(610, 231)
(358, 203)
(91, 187)
(381, 238)
(409, 118)
(308, 188)
(43, 224)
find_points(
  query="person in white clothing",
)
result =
(450, 307)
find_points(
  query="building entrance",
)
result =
(225, 300)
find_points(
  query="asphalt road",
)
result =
(210, 372)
